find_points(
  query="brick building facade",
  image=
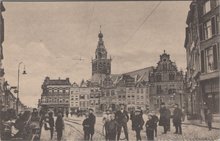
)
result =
(55, 94)
(166, 84)
(202, 48)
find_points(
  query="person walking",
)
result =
(51, 123)
(209, 119)
(177, 117)
(150, 127)
(106, 119)
(137, 123)
(122, 119)
(92, 120)
(86, 127)
(59, 126)
(164, 118)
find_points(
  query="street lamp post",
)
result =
(24, 72)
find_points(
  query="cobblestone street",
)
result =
(74, 131)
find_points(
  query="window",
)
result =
(202, 61)
(112, 92)
(137, 90)
(158, 77)
(218, 23)
(201, 34)
(213, 22)
(171, 76)
(208, 29)
(217, 2)
(206, 7)
(159, 90)
(209, 59)
(142, 91)
(82, 97)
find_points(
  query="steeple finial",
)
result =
(100, 33)
(164, 51)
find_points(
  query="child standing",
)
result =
(86, 127)
(150, 127)
(112, 128)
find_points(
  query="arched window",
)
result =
(171, 76)
(158, 77)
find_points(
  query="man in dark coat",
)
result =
(177, 116)
(59, 126)
(209, 119)
(164, 118)
(51, 123)
(92, 120)
(122, 119)
(86, 127)
(155, 119)
(137, 123)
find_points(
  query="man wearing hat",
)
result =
(137, 123)
(92, 120)
(122, 118)
(164, 117)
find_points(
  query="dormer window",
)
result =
(206, 7)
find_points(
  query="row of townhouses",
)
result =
(145, 88)
(203, 61)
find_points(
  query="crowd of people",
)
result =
(115, 122)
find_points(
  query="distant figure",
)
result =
(164, 117)
(92, 120)
(150, 127)
(137, 123)
(183, 114)
(86, 127)
(209, 119)
(106, 120)
(59, 126)
(51, 123)
(67, 113)
(177, 116)
(122, 119)
(112, 128)
(155, 119)
(35, 116)
(131, 116)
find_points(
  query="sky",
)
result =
(51, 37)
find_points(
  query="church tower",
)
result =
(101, 65)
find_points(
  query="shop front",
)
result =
(210, 91)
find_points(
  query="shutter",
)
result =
(201, 32)
(213, 22)
(215, 60)
(202, 61)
